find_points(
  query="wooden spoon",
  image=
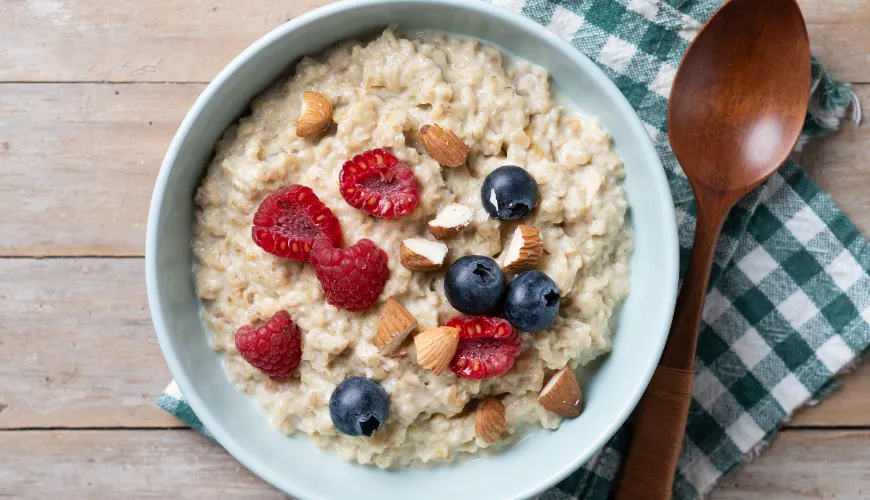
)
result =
(737, 108)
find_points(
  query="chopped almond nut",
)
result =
(436, 347)
(524, 250)
(394, 326)
(489, 421)
(562, 394)
(450, 220)
(420, 254)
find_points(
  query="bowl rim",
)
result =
(172, 358)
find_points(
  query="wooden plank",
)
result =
(839, 165)
(847, 406)
(839, 36)
(191, 40)
(78, 163)
(183, 464)
(153, 41)
(804, 464)
(65, 325)
(110, 464)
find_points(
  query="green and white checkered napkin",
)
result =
(790, 299)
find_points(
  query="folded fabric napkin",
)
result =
(789, 303)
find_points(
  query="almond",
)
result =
(436, 347)
(420, 254)
(393, 327)
(562, 394)
(524, 250)
(450, 220)
(489, 420)
(443, 145)
(316, 114)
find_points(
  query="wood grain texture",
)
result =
(79, 162)
(847, 406)
(73, 465)
(163, 40)
(839, 164)
(839, 36)
(153, 41)
(804, 465)
(66, 326)
(182, 464)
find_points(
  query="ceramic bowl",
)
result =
(295, 464)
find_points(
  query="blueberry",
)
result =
(509, 193)
(358, 406)
(475, 285)
(532, 301)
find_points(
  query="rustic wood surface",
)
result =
(182, 464)
(90, 95)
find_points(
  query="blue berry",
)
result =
(532, 301)
(474, 284)
(509, 193)
(358, 406)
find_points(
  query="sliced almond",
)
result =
(450, 220)
(443, 145)
(393, 327)
(420, 254)
(489, 420)
(524, 250)
(562, 394)
(316, 114)
(436, 347)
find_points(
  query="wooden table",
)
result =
(90, 94)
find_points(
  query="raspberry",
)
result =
(487, 346)
(274, 348)
(352, 278)
(379, 184)
(287, 223)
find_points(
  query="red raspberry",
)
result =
(287, 223)
(274, 348)
(379, 184)
(487, 346)
(352, 278)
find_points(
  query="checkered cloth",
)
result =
(790, 299)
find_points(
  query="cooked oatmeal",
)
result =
(383, 91)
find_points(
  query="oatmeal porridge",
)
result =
(382, 92)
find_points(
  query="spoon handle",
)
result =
(658, 436)
(661, 423)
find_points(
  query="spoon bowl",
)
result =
(739, 98)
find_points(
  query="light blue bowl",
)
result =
(295, 465)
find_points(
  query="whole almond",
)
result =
(420, 254)
(393, 327)
(443, 145)
(524, 249)
(316, 114)
(489, 422)
(436, 347)
(562, 394)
